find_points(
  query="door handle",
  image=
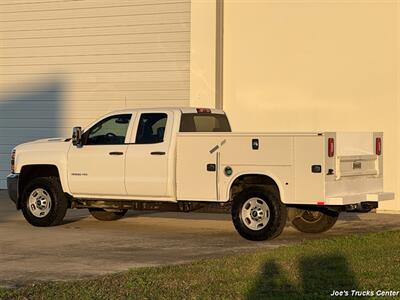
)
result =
(116, 153)
(157, 153)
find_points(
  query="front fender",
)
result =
(39, 154)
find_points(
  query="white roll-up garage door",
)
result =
(65, 62)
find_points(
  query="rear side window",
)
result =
(151, 128)
(204, 122)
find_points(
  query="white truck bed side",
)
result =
(287, 158)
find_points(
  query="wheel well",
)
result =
(245, 181)
(33, 171)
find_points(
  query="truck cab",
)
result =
(131, 154)
(146, 158)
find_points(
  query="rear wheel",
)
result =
(258, 214)
(43, 202)
(104, 215)
(313, 221)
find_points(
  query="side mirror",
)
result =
(77, 136)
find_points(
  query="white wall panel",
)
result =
(65, 63)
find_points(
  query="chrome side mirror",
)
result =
(77, 136)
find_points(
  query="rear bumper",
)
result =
(358, 198)
(12, 187)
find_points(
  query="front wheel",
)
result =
(309, 221)
(104, 215)
(258, 214)
(43, 202)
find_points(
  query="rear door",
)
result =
(148, 156)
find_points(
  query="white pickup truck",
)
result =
(188, 158)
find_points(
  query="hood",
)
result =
(48, 140)
(53, 140)
(59, 139)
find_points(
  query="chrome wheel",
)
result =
(39, 203)
(255, 213)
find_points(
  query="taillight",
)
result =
(13, 161)
(378, 146)
(331, 147)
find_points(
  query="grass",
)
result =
(311, 270)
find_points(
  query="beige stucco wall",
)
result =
(308, 65)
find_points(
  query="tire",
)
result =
(264, 219)
(43, 202)
(103, 215)
(314, 221)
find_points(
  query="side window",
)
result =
(110, 131)
(151, 128)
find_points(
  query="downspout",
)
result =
(219, 55)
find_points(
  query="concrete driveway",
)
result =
(83, 247)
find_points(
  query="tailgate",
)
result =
(355, 169)
(357, 166)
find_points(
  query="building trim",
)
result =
(219, 55)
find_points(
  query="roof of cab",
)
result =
(184, 110)
(179, 109)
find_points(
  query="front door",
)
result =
(98, 167)
(148, 157)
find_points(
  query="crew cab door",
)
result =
(98, 167)
(148, 156)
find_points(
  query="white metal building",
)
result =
(64, 63)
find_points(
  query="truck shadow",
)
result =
(318, 277)
(21, 121)
(76, 215)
